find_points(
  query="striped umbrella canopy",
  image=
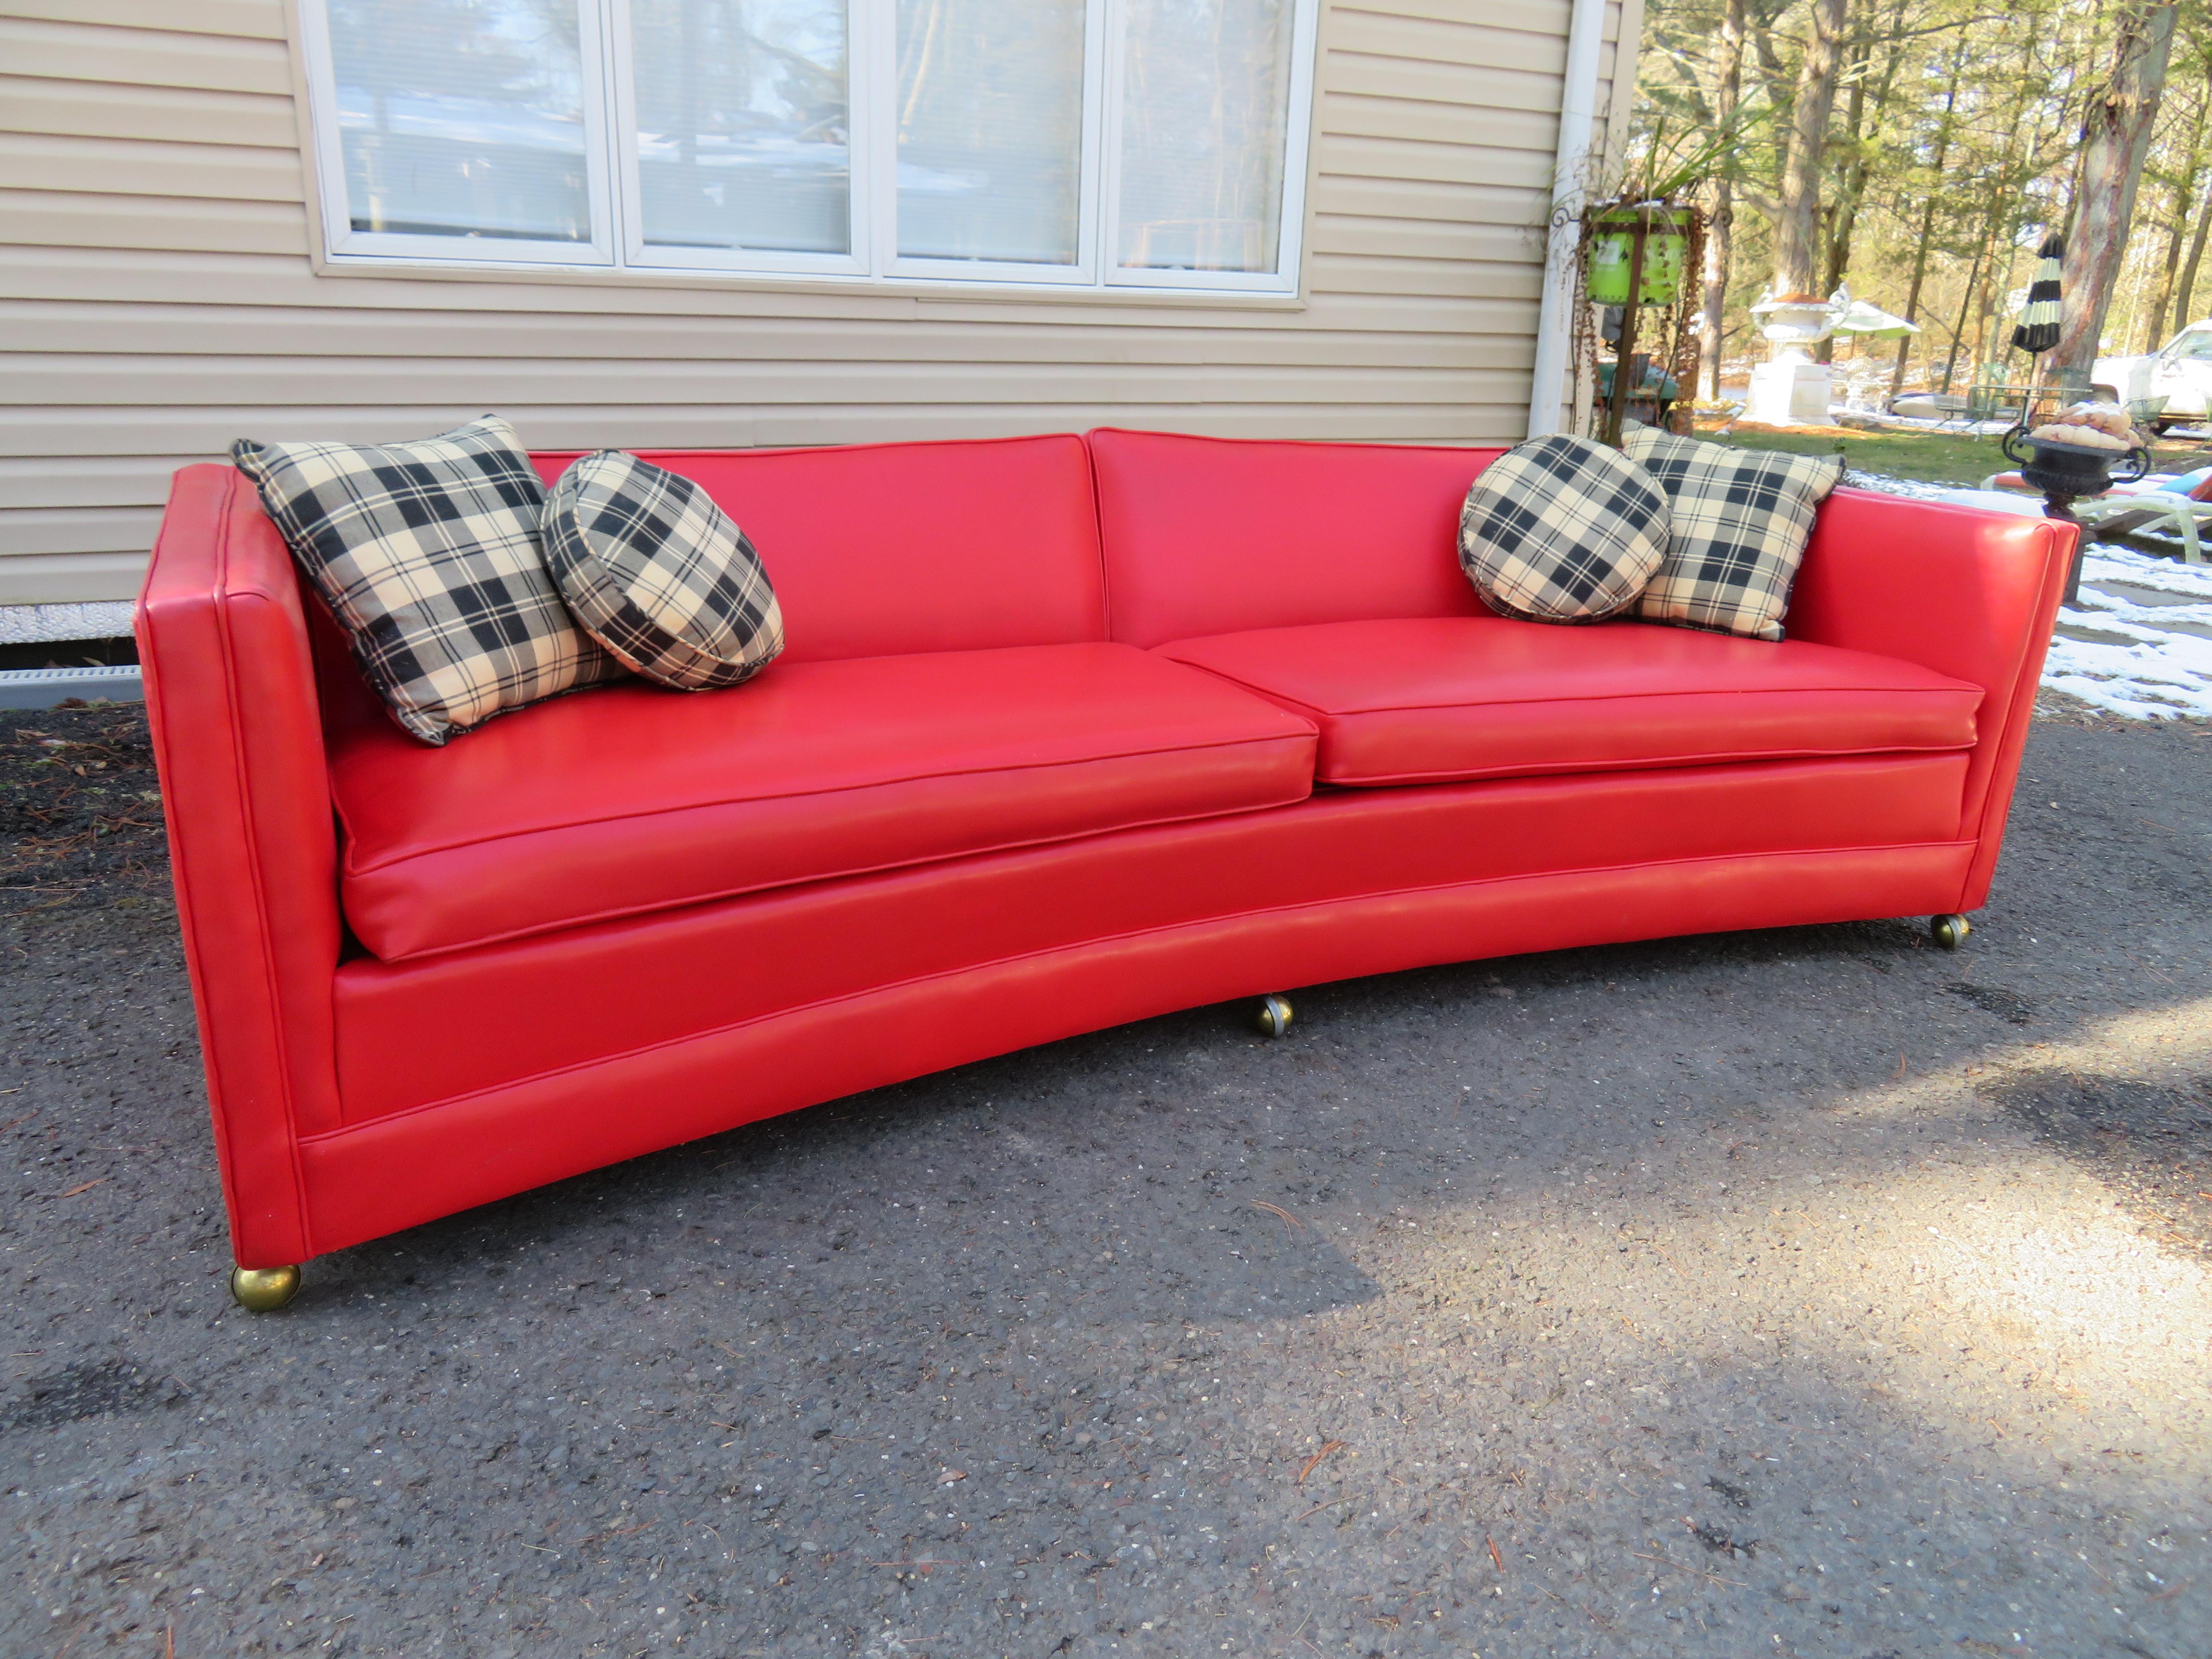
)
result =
(2038, 322)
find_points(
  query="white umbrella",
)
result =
(1872, 323)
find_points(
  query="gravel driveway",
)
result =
(1802, 1293)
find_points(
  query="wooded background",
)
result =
(1921, 149)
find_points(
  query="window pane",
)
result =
(462, 117)
(1205, 119)
(990, 129)
(742, 112)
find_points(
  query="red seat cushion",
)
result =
(1426, 700)
(633, 799)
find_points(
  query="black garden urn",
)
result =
(2067, 472)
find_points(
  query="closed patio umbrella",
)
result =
(2038, 330)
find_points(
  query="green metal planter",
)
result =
(1613, 251)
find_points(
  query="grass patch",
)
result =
(1938, 457)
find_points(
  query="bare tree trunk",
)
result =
(1797, 217)
(1999, 241)
(2185, 300)
(1978, 359)
(2177, 232)
(2138, 307)
(1927, 212)
(1912, 294)
(2184, 191)
(1835, 234)
(2114, 139)
(1720, 235)
(1985, 293)
(1759, 18)
(1951, 363)
(1864, 122)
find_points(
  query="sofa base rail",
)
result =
(379, 1176)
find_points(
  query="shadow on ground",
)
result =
(1812, 1291)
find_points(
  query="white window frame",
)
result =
(757, 262)
(1297, 133)
(883, 15)
(618, 245)
(344, 243)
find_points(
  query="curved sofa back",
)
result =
(1216, 535)
(877, 549)
(1142, 537)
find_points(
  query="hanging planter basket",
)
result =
(1612, 250)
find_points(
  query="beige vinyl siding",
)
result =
(158, 294)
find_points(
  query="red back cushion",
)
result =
(1216, 535)
(877, 549)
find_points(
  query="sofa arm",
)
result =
(1967, 592)
(230, 693)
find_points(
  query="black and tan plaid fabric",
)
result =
(1563, 530)
(659, 574)
(1741, 519)
(428, 555)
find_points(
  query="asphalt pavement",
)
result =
(1809, 1291)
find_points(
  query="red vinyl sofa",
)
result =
(1070, 731)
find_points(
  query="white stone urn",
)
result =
(1792, 390)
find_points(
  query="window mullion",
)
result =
(1092, 244)
(1298, 141)
(874, 26)
(592, 40)
(1109, 187)
(619, 144)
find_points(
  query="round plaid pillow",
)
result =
(659, 574)
(1562, 530)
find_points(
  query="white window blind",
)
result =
(743, 125)
(1206, 95)
(463, 118)
(1101, 144)
(990, 114)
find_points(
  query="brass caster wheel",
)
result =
(263, 1290)
(1948, 931)
(1275, 1016)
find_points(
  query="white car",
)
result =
(2181, 373)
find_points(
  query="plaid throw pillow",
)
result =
(659, 574)
(427, 553)
(1562, 530)
(1742, 518)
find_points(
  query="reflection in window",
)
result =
(989, 120)
(1095, 143)
(462, 117)
(743, 124)
(1204, 111)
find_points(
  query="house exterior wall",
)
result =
(160, 294)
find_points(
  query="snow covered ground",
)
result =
(2139, 644)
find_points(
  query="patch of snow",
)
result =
(2152, 669)
(2104, 562)
(2146, 667)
